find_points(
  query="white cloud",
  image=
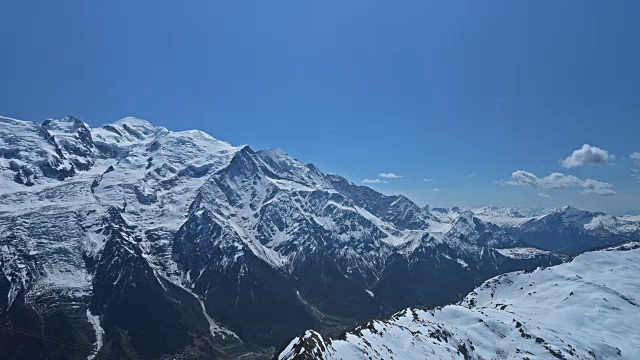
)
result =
(635, 157)
(373, 181)
(553, 181)
(559, 181)
(597, 187)
(472, 175)
(428, 180)
(544, 195)
(436, 189)
(587, 155)
(389, 176)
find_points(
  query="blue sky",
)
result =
(461, 92)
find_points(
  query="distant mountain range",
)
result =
(565, 230)
(139, 242)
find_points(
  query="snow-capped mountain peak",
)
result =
(117, 223)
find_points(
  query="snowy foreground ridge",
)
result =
(588, 308)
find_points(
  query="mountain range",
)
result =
(564, 230)
(135, 241)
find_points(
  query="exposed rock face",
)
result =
(148, 243)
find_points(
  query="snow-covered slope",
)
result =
(113, 224)
(476, 231)
(29, 155)
(508, 216)
(588, 308)
(80, 205)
